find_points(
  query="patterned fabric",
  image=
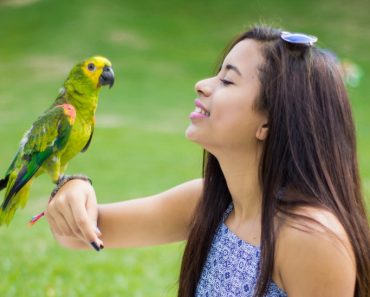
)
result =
(231, 267)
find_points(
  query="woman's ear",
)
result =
(262, 132)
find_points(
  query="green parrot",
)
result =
(61, 132)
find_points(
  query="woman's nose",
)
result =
(203, 88)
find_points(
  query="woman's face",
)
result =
(224, 116)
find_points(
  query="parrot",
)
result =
(58, 135)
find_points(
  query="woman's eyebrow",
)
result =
(234, 68)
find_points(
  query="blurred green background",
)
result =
(159, 50)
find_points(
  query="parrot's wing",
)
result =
(48, 135)
(51, 130)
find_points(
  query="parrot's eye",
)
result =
(91, 66)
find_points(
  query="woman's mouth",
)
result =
(200, 111)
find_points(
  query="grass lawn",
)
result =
(159, 49)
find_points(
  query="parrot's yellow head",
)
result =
(87, 77)
(99, 70)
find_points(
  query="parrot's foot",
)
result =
(63, 179)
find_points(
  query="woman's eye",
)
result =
(91, 66)
(226, 82)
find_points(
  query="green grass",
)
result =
(159, 50)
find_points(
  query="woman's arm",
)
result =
(162, 218)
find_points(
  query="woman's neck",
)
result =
(241, 174)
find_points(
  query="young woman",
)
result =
(279, 210)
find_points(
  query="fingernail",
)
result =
(95, 246)
(97, 231)
(101, 246)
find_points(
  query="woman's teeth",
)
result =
(202, 111)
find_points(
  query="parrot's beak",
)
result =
(107, 77)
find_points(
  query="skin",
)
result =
(306, 263)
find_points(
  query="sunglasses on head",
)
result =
(298, 38)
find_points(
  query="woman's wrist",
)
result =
(66, 178)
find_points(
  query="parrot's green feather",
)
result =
(25, 174)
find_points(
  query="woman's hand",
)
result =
(72, 215)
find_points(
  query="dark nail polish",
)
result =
(101, 246)
(95, 246)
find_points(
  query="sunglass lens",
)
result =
(298, 38)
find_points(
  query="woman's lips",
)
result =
(200, 111)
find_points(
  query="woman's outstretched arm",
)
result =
(73, 215)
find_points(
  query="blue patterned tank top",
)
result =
(231, 267)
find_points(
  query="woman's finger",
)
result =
(52, 223)
(62, 223)
(86, 226)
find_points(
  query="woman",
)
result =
(279, 210)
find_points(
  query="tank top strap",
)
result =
(227, 211)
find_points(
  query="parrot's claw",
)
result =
(63, 179)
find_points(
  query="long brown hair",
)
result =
(310, 148)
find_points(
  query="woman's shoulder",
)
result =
(314, 254)
(313, 220)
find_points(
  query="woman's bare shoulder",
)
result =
(314, 256)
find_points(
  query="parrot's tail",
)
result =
(4, 182)
(18, 200)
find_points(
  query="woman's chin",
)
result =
(191, 133)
